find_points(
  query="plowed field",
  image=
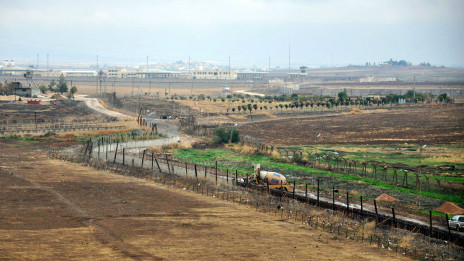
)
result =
(431, 124)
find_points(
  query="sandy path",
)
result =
(95, 105)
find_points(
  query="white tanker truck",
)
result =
(274, 179)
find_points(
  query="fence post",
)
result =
(206, 167)
(196, 174)
(91, 148)
(306, 192)
(333, 197)
(152, 156)
(431, 228)
(394, 217)
(227, 176)
(87, 147)
(157, 164)
(167, 162)
(236, 177)
(115, 152)
(143, 156)
(294, 185)
(123, 155)
(216, 171)
(449, 229)
(318, 179)
(347, 203)
(362, 212)
(376, 213)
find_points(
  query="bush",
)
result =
(223, 136)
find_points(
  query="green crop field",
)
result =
(301, 174)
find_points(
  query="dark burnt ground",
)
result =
(431, 124)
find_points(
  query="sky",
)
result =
(317, 32)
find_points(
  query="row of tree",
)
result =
(61, 86)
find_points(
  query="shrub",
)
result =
(223, 136)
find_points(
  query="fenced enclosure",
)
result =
(344, 222)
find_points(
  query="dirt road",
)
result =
(95, 105)
(55, 210)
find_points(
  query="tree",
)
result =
(62, 85)
(51, 85)
(444, 98)
(223, 136)
(342, 96)
(233, 109)
(43, 88)
(255, 106)
(73, 91)
(7, 87)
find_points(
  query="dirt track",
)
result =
(55, 210)
(94, 104)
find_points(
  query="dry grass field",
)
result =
(431, 124)
(55, 210)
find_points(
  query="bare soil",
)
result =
(21, 111)
(431, 124)
(55, 210)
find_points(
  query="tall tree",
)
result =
(62, 85)
(343, 96)
(51, 85)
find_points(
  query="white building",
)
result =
(214, 75)
(79, 73)
(372, 79)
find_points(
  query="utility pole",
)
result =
(418, 186)
(289, 57)
(268, 74)
(269, 68)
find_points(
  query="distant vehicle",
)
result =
(165, 117)
(457, 222)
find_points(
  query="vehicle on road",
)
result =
(457, 222)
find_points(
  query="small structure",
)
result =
(34, 102)
(25, 91)
(372, 79)
(250, 75)
(225, 91)
(288, 89)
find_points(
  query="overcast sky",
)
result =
(319, 32)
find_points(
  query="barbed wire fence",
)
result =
(203, 179)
